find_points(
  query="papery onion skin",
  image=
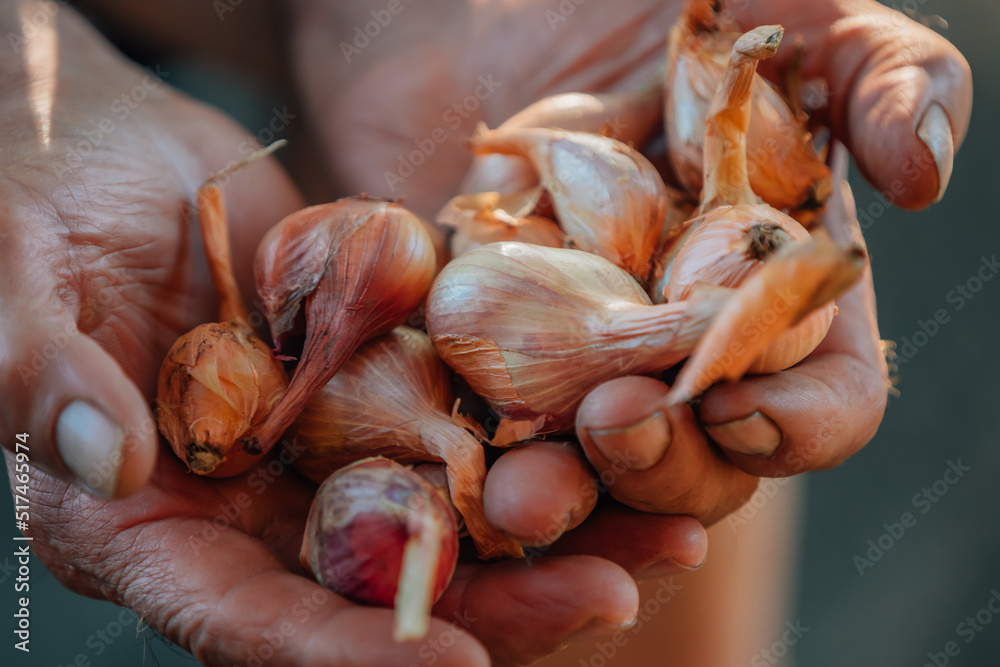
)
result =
(393, 398)
(608, 198)
(629, 118)
(362, 266)
(490, 217)
(360, 525)
(736, 235)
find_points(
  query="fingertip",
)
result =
(623, 422)
(94, 426)
(538, 491)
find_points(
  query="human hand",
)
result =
(100, 261)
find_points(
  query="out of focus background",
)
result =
(871, 588)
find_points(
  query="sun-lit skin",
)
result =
(104, 249)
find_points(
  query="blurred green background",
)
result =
(915, 598)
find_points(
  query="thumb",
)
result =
(900, 94)
(86, 420)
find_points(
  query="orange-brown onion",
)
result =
(534, 329)
(393, 398)
(629, 118)
(491, 217)
(361, 265)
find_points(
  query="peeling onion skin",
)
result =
(393, 398)
(785, 169)
(491, 217)
(358, 535)
(629, 118)
(607, 197)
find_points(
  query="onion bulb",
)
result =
(218, 382)
(785, 169)
(608, 198)
(361, 265)
(379, 534)
(736, 233)
(393, 398)
(533, 330)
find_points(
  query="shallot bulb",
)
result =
(490, 217)
(379, 534)
(629, 118)
(218, 383)
(361, 265)
(534, 329)
(785, 169)
(737, 234)
(393, 398)
(608, 198)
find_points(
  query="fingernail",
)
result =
(667, 568)
(90, 445)
(597, 628)
(642, 444)
(935, 131)
(756, 435)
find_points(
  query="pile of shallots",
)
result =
(573, 264)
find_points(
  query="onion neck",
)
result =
(326, 350)
(417, 576)
(725, 175)
(654, 338)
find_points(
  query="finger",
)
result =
(524, 610)
(538, 491)
(86, 421)
(648, 546)
(901, 95)
(814, 415)
(653, 458)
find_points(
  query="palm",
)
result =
(398, 96)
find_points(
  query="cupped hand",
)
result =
(213, 565)
(102, 271)
(101, 268)
(394, 111)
